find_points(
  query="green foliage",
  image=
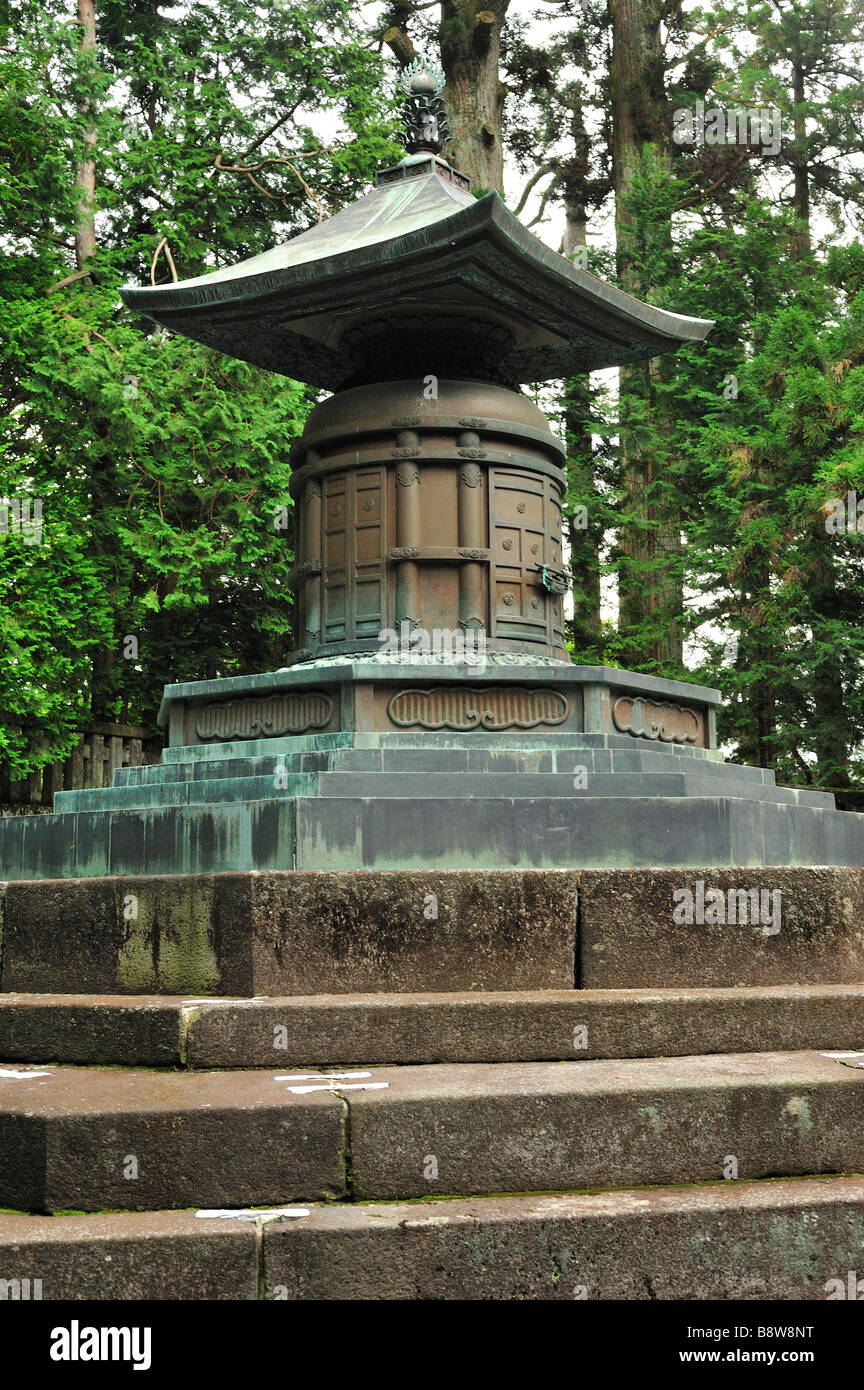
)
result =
(161, 466)
(740, 442)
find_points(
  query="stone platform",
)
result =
(301, 933)
(562, 767)
(426, 988)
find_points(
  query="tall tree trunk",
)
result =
(650, 593)
(757, 653)
(801, 194)
(834, 735)
(102, 485)
(638, 115)
(584, 541)
(85, 169)
(470, 35)
(474, 95)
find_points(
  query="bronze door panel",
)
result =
(353, 554)
(521, 522)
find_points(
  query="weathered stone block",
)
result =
(778, 1240)
(292, 933)
(128, 1256)
(88, 1139)
(557, 1127)
(629, 936)
(92, 1030)
(382, 1029)
(345, 932)
(112, 935)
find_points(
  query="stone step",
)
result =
(310, 933)
(624, 755)
(424, 741)
(553, 1127)
(93, 1139)
(257, 747)
(416, 785)
(82, 1029)
(129, 1257)
(159, 773)
(569, 781)
(785, 1239)
(379, 1029)
(96, 1139)
(632, 759)
(187, 792)
(799, 1239)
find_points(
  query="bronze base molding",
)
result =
(363, 695)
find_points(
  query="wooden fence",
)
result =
(91, 763)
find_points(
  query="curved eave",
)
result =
(677, 329)
(481, 247)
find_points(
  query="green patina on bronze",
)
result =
(410, 262)
(429, 489)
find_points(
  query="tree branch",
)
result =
(706, 192)
(547, 193)
(531, 185)
(168, 257)
(68, 280)
(250, 170)
(401, 46)
(272, 131)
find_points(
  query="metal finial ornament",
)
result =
(423, 114)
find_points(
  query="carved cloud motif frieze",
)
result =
(268, 718)
(656, 719)
(463, 708)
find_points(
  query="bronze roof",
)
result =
(417, 275)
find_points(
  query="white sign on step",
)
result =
(333, 1081)
(250, 1214)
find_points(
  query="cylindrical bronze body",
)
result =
(434, 504)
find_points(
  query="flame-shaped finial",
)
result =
(423, 115)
